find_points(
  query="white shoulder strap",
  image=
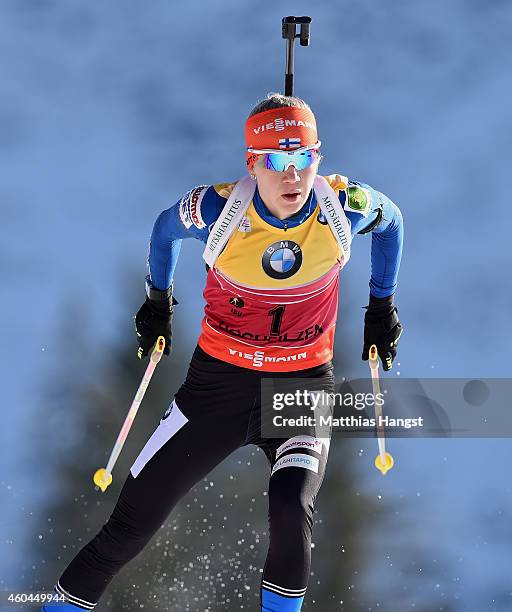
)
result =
(229, 219)
(332, 210)
(242, 195)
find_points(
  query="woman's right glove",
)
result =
(154, 319)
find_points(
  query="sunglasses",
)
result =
(280, 161)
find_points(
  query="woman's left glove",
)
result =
(154, 319)
(382, 328)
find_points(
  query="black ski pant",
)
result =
(215, 412)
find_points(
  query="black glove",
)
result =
(382, 328)
(154, 319)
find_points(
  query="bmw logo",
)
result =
(282, 259)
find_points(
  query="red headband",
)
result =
(284, 128)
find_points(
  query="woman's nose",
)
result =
(291, 174)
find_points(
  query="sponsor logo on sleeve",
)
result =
(359, 200)
(190, 207)
(184, 213)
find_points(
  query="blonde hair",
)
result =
(277, 100)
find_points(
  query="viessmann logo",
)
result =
(281, 124)
(258, 357)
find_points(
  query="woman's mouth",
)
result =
(292, 198)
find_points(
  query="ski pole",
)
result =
(103, 477)
(289, 32)
(384, 461)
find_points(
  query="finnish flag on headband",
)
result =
(289, 143)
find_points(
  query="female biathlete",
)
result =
(275, 242)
